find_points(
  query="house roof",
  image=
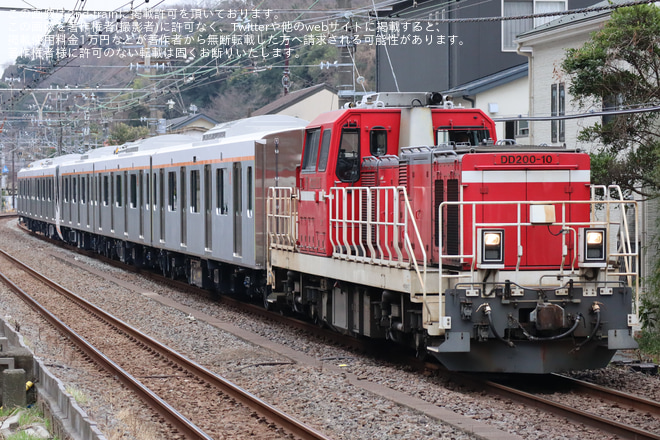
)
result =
(490, 81)
(291, 98)
(180, 122)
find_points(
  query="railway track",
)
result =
(519, 392)
(510, 392)
(194, 402)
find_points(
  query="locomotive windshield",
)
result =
(462, 136)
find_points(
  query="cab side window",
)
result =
(325, 149)
(378, 141)
(348, 159)
(311, 149)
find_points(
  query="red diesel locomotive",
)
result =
(409, 221)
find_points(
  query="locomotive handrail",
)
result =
(624, 251)
(282, 215)
(355, 231)
(625, 231)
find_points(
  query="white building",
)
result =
(545, 46)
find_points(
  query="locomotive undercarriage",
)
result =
(350, 308)
(512, 328)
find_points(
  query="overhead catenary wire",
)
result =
(200, 67)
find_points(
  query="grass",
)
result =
(26, 418)
(649, 344)
(78, 396)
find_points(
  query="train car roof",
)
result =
(254, 125)
(157, 142)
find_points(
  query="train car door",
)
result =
(237, 203)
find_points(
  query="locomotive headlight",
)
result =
(592, 247)
(491, 248)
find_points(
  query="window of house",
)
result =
(611, 103)
(526, 8)
(522, 128)
(557, 108)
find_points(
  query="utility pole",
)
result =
(347, 56)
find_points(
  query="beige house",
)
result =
(502, 96)
(190, 124)
(545, 46)
(305, 104)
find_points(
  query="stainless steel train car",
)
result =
(187, 206)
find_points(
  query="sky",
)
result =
(19, 30)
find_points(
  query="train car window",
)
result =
(194, 190)
(249, 191)
(106, 191)
(221, 199)
(311, 149)
(118, 193)
(161, 202)
(154, 188)
(95, 195)
(83, 193)
(171, 191)
(325, 149)
(183, 229)
(74, 189)
(348, 158)
(146, 187)
(133, 190)
(66, 189)
(378, 141)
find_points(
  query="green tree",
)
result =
(620, 68)
(122, 133)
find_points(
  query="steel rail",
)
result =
(246, 398)
(575, 414)
(629, 400)
(171, 415)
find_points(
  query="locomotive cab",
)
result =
(335, 149)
